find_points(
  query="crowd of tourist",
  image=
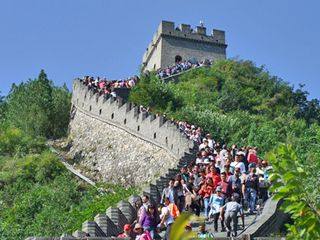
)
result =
(104, 86)
(223, 183)
(180, 67)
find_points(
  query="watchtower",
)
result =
(171, 44)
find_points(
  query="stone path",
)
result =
(248, 220)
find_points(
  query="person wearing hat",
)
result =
(229, 213)
(141, 234)
(216, 202)
(250, 187)
(126, 232)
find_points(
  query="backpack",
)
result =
(174, 211)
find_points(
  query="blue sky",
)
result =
(71, 38)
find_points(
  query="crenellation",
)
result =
(219, 35)
(185, 28)
(201, 30)
(92, 229)
(166, 27)
(79, 234)
(120, 102)
(144, 115)
(128, 106)
(169, 42)
(128, 210)
(117, 217)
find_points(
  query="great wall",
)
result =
(152, 132)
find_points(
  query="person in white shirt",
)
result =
(211, 142)
(237, 163)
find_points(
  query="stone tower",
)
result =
(170, 44)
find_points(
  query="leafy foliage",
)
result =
(292, 182)
(38, 196)
(39, 108)
(178, 228)
(15, 142)
(238, 102)
(155, 94)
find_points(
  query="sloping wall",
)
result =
(116, 143)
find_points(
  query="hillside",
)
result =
(237, 102)
(240, 103)
(234, 100)
(38, 196)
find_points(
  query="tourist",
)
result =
(149, 220)
(250, 187)
(203, 233)
(235, 182)
(229, 213)
(225, 186)
(238, 163)
(168, 214)
(140, 233)
(263, 172)
(168, 192)
(216, 202)
(206, 191)
(252, 156)
(126, 232)
(144, 206)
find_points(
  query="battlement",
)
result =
(183, 40)
(124, 115)
(186, 32)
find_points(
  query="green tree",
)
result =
(38, 107)
(296, 181)
(61, 110)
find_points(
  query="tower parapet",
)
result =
(171, 43)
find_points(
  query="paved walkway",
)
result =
(248, 220)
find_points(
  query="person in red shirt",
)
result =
(227, 171)
(214, 174)
(225, 186)
(126, 232)
(205, 192)
(252, 156)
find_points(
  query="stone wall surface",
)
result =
(170, 41)
(118, 156)
(114, 142)
(187, 49)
